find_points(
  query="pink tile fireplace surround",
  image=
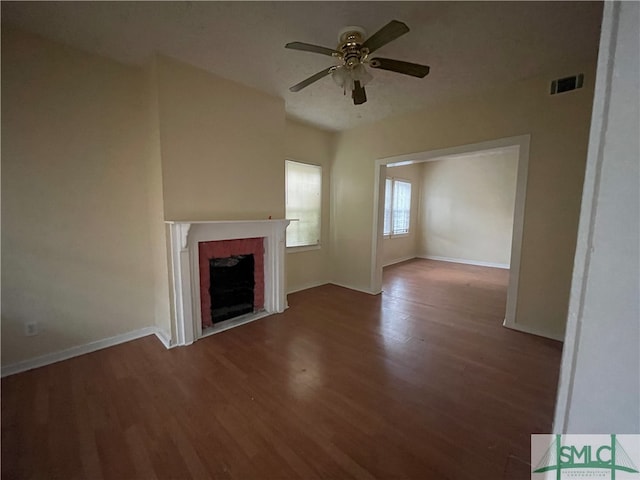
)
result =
(186, 239)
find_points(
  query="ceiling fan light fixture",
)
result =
(346, 77)
(340, 76)
(360, 73)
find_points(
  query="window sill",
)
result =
(306, 248)
(397, 235)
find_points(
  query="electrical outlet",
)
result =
(31, 329)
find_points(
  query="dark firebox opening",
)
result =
(231, 287)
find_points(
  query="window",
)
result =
(303, 200)
(397, 207)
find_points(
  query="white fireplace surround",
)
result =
(185, 236)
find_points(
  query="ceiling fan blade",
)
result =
(311, 79)
(386, 34)
(398, 66)
(307, 47)
(358, 94)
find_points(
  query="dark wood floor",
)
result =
(420, 382)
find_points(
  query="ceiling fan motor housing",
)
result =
(350, 44)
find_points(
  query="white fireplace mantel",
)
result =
(184, 238)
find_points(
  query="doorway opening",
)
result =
(505, 255)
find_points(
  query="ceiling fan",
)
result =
(353, 53)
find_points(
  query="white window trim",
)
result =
(396, 235)
(388, 236)
(314, 246)
(304, 248)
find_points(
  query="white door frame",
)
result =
(522, 142)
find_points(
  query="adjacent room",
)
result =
(458, 209)
(296, 239)
(455, 209)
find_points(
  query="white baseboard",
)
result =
(362, 290)
(307, 287)
(399, 260)
(465, 261)
(164, 337)
(532, 331)
(76, 351)
(336, 284)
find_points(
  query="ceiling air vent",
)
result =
(567, 84)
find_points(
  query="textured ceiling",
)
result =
(470, 46)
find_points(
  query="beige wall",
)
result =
(559, 127)
(75, 235)
(308, 268)
(96, 155)
(404, 247)
(158, 230)
(467, 207)
(222, 147)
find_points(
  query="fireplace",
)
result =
(231, 287)
(204, 253)
(231, 279)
